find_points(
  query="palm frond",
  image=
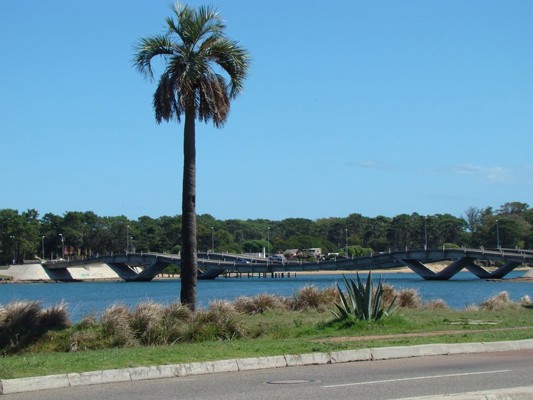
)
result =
(148, 49)
(195, 51)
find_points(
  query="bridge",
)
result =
(145, 266)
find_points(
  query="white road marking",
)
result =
(417, 378)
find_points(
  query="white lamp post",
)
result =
(62, 245)
(425, 233)
(497, 235)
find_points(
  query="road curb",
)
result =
(519, 393)
(8, 386)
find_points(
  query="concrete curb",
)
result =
(519, 393)
(8, 386)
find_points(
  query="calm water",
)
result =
(86, 298)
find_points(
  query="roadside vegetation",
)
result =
(42, 341)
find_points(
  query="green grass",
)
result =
(277, 333)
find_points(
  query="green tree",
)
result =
(193, 49)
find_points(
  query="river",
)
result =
(84, 298)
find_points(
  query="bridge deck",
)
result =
(150, 264)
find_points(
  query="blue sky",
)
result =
(371, 107)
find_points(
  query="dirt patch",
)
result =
(416, 334)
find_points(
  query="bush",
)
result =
(310, 297)
(388, 294)
(498, 302)
(408, 298)
(258, 304)
(451, 246)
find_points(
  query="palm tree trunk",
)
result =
(189, 262)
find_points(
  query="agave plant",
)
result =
(362, 301)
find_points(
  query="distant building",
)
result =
(315, 251)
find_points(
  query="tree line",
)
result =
(25, 235)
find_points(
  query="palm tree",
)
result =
(195, 53)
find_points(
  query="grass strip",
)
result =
(288, 336)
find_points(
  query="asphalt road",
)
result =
(375, 380)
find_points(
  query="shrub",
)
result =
(388, 294)
(408, 298)
(310, 297)
(257, 304)
(498, 302)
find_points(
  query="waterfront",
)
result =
(84, 298)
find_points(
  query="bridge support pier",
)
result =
(124, 271)
(504, 270)
(444, 275)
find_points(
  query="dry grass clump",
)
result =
(87, 322)
(436, 304)
(146, 322)
(175, 323)
(116, 326)
(154, 324)
(55, 317)
(23, 322)
(499, 302)
(218, 321)
(178, 311)
(257, 304)
(408, 298)
(3, 316)
(83, 340)
(388, 294)
(524, 300)
(310, 297)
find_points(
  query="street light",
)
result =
(346, 241)
(425, 232)
(497, 235)
(268, 241)
(14, 248)
(42, 247)
(127, 238)
(212, 240)
(62, 245)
